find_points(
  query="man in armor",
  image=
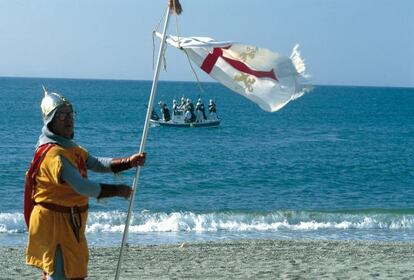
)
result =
(212, 109)
(183, 103)
(200, 111)
(57, 192)
(175, 106)
(190, 107)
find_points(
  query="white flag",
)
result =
(269, 79)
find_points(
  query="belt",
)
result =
(63, 209)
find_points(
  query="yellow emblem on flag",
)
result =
(247, 80)
(249, 53)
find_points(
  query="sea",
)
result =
(335, 164)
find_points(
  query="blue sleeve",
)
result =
(81, 185)
(99, 164)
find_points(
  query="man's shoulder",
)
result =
(60, 150)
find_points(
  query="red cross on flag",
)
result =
(267, 78)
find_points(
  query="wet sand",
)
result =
(250, 259)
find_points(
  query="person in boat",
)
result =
(200, 111)
(188, 117)
(154, 115)
(165, 112)
(190, 107)
(203, 108)
(57, 193)
(182, 104)
(212, 109)
(175, 107)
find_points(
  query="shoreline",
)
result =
(264, 259)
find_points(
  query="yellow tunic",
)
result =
(47, 228)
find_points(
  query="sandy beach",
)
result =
(250, 259)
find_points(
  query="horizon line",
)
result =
(183, 81)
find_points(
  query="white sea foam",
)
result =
(147, 222)
(243, 222)
(12, 223)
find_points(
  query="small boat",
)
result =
(178, 120)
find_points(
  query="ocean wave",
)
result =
(147, 221)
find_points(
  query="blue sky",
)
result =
(344, 42)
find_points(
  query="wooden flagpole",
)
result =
(143, 140)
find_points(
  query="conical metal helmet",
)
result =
(51, 101)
